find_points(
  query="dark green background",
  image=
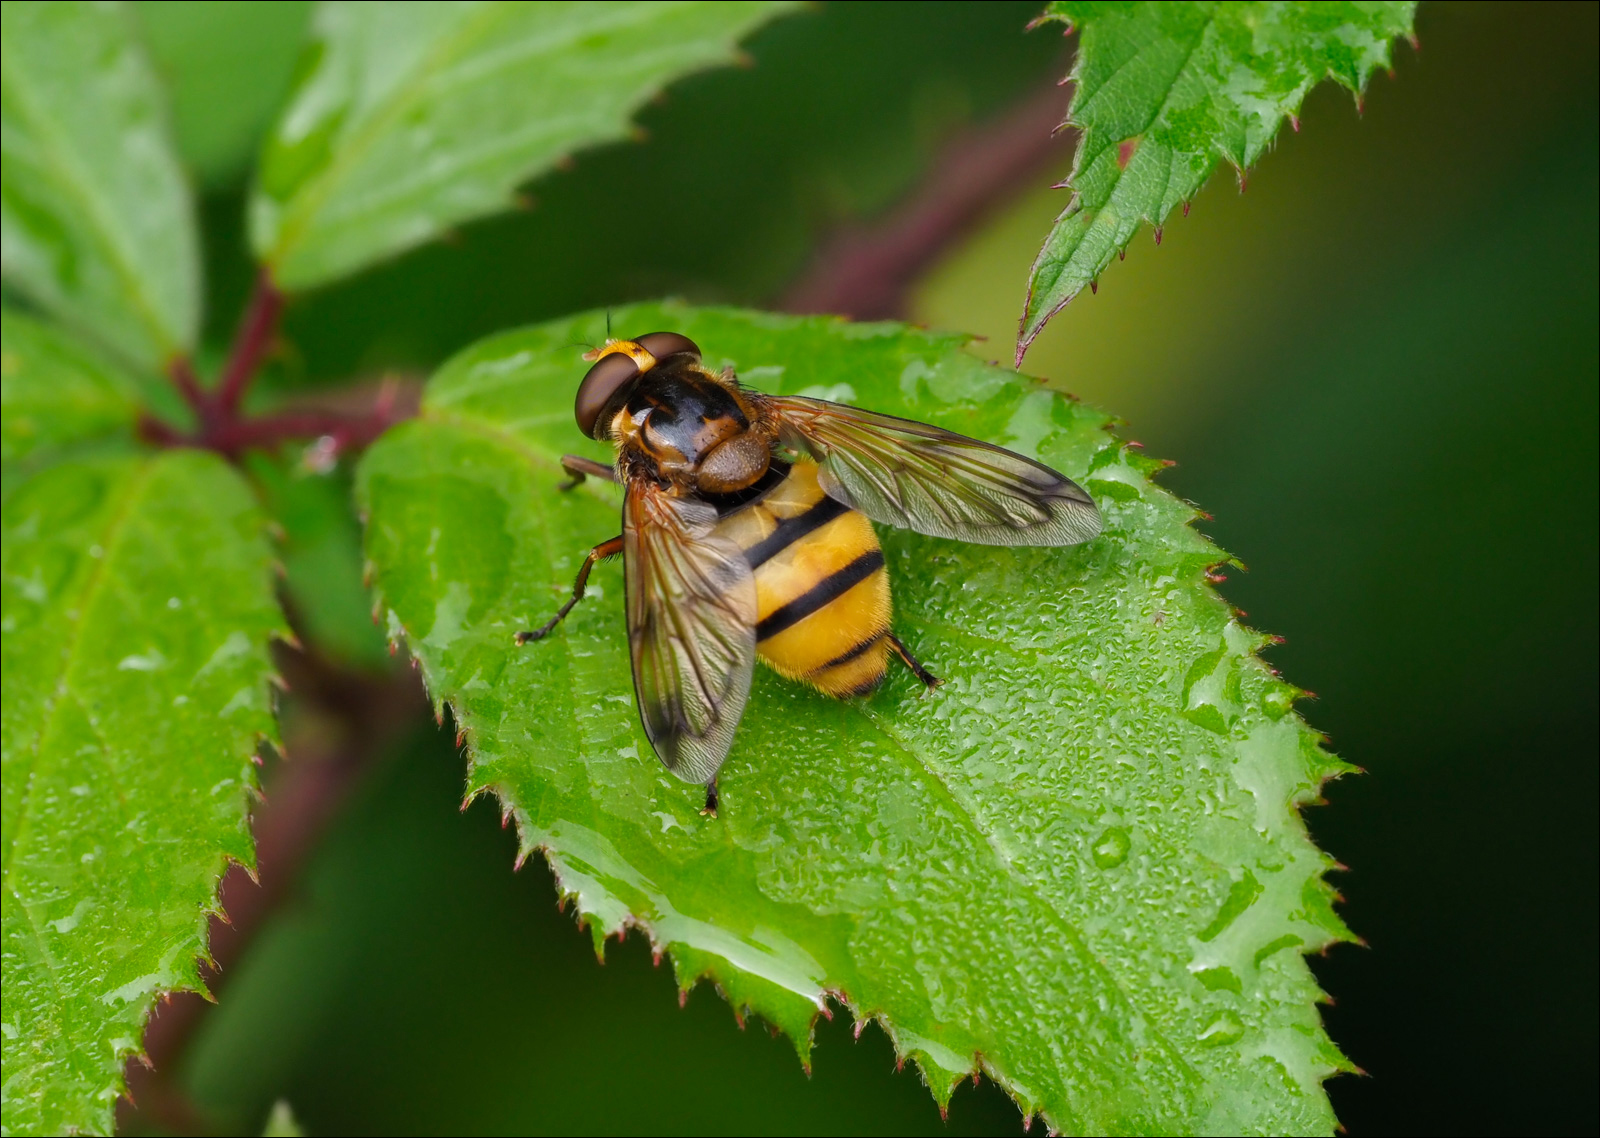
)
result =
(1377, 369)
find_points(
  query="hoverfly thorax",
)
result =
(670, 417)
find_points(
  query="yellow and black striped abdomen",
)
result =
(822, 593)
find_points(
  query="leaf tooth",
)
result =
(597, 934)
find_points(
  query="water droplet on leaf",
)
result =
(1225, 1028)
(1111, 848)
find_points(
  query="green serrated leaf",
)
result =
(137, 604)
(412, 118)
(97, 223)
(1166, 91)
(1077, 866)
(54, 392)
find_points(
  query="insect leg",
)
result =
(710, 809)
(604, 549)
(912, 662)
(579, 468)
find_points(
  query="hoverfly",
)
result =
(745, 533)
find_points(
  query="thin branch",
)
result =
(160, 432)
(353, 419)
(271, 431)
(181, 371)
(249, 346)
(865, 271)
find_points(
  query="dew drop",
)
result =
(1111, 848)
(1225, 1028)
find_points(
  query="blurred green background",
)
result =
(1377, 369)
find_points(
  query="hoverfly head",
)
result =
(618, 364)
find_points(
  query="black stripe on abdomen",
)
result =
(791, 530)
(830, 588)
(857, 652)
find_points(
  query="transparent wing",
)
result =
(933, 481)
(691, 629)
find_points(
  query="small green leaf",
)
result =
(412, 118)
(1033, 871)
(97, 223)
(1165, 92)
(54, 392)
(137, 604)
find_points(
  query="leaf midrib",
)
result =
(81, 188)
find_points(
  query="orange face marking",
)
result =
(628, 348)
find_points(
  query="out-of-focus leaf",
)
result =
(1077, 866)
(95, 216)
(281, 1122)
(321, 554)
(228, 66)
(1165, 92)
(137, 604)
(412, 118)
(55, 392)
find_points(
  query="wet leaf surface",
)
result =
(137, 602)
(410, 119)
(56, 392)
(1165, 92)
(1077, 866)
(97, 219)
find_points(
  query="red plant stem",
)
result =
(160, 432)
(865, 271)
(181, 369)
(274, 430)
(249, 346)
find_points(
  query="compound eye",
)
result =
(608, 376)
(664, 344)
